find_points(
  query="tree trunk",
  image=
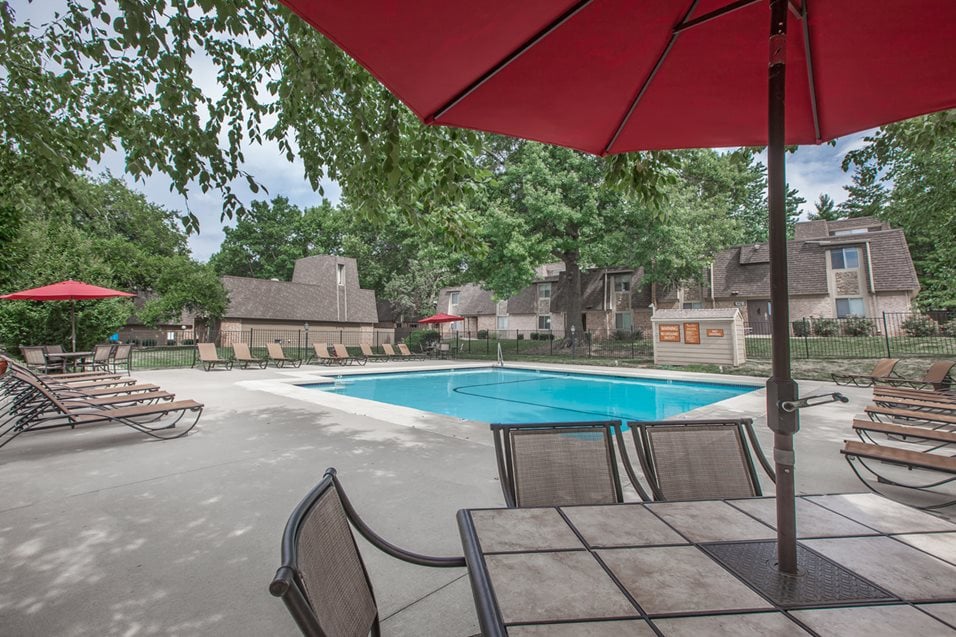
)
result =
(572, 318)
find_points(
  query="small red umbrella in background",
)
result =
(626, 75)
(72, 291)
(441, 317)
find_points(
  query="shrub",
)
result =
(418, 338)
(187, 341)
(483, 334)
(825, 327)
(520, 336)
(857, 326)
(920, 325)
(535, 336)
(949, 327)
(801, 328)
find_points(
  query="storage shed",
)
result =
(685, 337)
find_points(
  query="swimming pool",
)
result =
(519, 395)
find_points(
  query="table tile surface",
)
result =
(882, 514)
(945, 612)
(711, 521)
(750, 625)
(540, 571)
(812, 520)
(626, 628)
(620, 526)
(675, 579)
(535, 587)
(873, 621)
(941, 545)
(895, 566)
(523, 530)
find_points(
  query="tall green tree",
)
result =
(915, 163)
(825, 209)
(866, 194)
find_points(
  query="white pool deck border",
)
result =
(104, 532)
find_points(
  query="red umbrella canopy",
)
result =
(441, 317)
(65, 291)
(624, 75)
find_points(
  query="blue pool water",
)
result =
(510, 395)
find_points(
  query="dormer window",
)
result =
(622, 283)
(843, 233)
(845, 258)
(544, 290)
(340, 274)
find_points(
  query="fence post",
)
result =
(251, 342)
(886, 335)
(806, 337)
(517, 333)
(550, 342)
(632, 341)
(587, 335)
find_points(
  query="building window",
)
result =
(843, 233)
(502, 322)
(544, 291)
(850, 307)
(696, 305)
(340, 274)
(453, 299)
(544, 322)
(623, 321)
(622, 283)
(845, 258)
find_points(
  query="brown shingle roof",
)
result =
(746, 269)
(472, 300)
(313, 296)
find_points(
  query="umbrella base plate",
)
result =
(819, 581)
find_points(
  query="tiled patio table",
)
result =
(668, 568)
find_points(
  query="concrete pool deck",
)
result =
(104, 532)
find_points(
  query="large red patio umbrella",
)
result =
(70, 290)
(615, 76)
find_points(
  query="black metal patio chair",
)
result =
(323, 580)
(699, 459)
(554, 464)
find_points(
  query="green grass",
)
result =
(857, 346)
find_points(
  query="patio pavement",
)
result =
(103, 532)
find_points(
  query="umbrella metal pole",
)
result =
(780, 386)
(73, 325)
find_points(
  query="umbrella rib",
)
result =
(812, 86)
(682, 26)
(507, 60)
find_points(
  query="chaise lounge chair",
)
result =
(45, 410)
(882, 372)
(934, 419)
(407, 353)
(936, 378)
(209, 357)
(278, 358)
(391, 353)
(370, 355)
(244, 357)
(341, 352)
(322, 579)
(321, 356)
(941, 469)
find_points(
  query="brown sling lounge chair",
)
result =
(321, 356)
(370, 355)
(699, 459)
(323, 580)
(391, 353)
(209, 357)
(407, 353)
(342, 353)
(882, 372)
(936, 378)
(278, 358)
(47, 411)
(243, 357)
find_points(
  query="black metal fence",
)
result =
(890, 335)
(178, 347)
(614, 344)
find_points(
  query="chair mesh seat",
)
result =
(331, 571)
(562, 467)
(700, 462)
